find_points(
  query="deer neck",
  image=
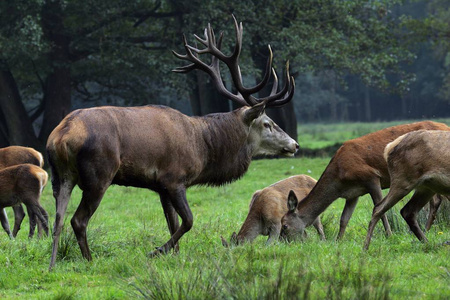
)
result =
(228, 153)
(325, 192)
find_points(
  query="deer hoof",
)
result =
(158, 252)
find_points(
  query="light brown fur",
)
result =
(416, 161)
(357, 168)
(269, 205)
(15, 155)
(23, 184)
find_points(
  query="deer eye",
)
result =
(267, 125)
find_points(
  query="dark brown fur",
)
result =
(153, 147)
(23, 184)
(357, 168)
(16, 155)
(416, 161)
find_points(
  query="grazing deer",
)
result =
(16, 155)
(161, 149)
(416, 161)
(357, 168)
(269, 205)
(24, 184)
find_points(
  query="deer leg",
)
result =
(394, 195)
(171, 216)
(274, 233)
(89, 203)
(5, 223)
(32, 216)
(434, 206)
(377, 197)
(318, 225)
(411, 209)
(349, 207)
(62, 193)
(19, 215)
(42, 223)
(179, 203)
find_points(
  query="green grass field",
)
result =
(129, 224)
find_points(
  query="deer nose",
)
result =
(285, 227)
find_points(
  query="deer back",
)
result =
(15, 155)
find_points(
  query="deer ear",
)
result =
(254, 112)
(292, 201)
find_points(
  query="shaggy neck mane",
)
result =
(228, 154)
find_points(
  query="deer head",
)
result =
(292, 225)
(263, 131)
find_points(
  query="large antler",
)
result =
(244, 95)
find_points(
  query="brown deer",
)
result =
(161, 149)
(269, 205)
(24, 184)
(16, 155)
(357, 168)
(416, 161)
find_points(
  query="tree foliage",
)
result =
(58, 55)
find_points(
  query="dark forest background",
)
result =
(352, 60)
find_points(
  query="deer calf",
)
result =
(24, 184)
(269, 205)
(357, 168)
(416, 161)
(11, 156)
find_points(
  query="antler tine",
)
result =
(275, 82)
(266, 77)
(238, 45)
(285, 94)
(243, 95)
(287, 98)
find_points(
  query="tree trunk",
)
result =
(205, 99)
(57, 90)
(16, 127)
(367, 109)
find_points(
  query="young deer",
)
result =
(417, 161)
(24, 184)
(269, 205)
(161, 149)
(357, 168)
(16, 155)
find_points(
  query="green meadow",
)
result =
(130, 223)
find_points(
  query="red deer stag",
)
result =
(416, 161)
(357, 168)
(269, 205)
(16, 155)
(24, 184)
(159, 148)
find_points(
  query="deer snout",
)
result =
(291, 148)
